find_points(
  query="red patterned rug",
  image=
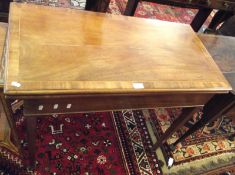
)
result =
(117, 142)
(92, 144)
(156, 11)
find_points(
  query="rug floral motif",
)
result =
(91, 144)
(118, 142)
(209, 141)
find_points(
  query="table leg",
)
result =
(97, 5)
(31, 135)
(186, 114)
(200, 18)
(11, 120)
(131, 7)
(215, 108)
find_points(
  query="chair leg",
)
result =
(216, 19)
(219, 17)
(200, 18)
(131, 7)
(97, 5)
(228, 27)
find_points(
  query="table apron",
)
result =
(53, 105)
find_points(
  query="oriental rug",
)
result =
(208, 141)
(119, 143)
(91, 144)
(156, 11)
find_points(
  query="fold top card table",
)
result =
(66, 61)
(62, 51)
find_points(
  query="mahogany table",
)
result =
(222, 50)
(69, 61)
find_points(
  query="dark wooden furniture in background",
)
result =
(4, 10)
(222, 50)
(173, 69)
(205, 7)
(91, 5)
(219, 17)
(97, 5)
(228, 27)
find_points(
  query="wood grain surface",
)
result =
(65, 51)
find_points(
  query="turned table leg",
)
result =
(31, 136)
(186, 114)
(216, 107)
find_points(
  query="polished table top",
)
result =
(222, 50)
(65, 51)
